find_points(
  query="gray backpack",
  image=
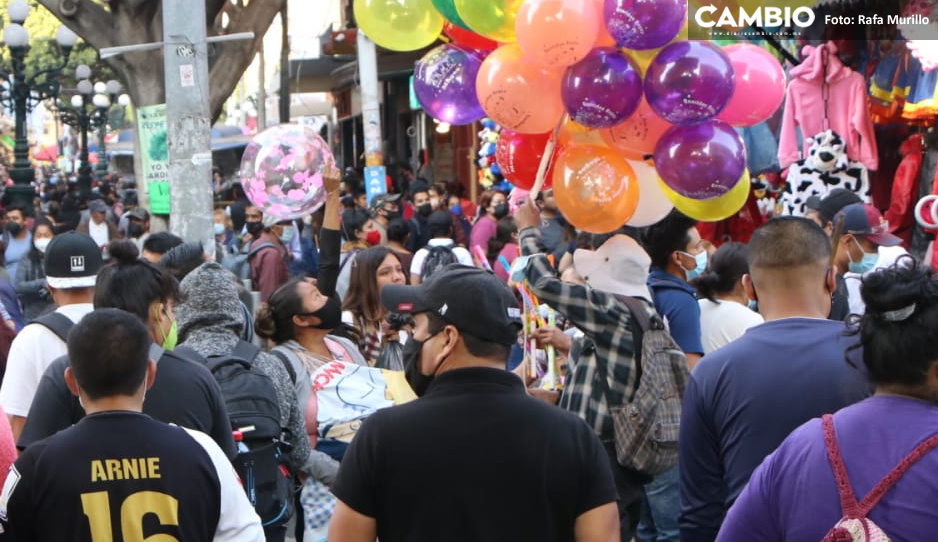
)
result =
(648, 424)
(240, 264)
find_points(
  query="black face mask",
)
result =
(425, 209)
(134, 230)
(500, 211)
(418, 381)
(391, 215)
(254, 228)
(330, 314)
(14, 228)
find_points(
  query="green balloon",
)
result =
(448, 10)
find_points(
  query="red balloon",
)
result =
(466, 38)
(519, 155)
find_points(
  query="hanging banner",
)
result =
(154, 155)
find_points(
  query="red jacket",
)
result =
(905, 189)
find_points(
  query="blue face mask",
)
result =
(701, 260)
(287, 235)
(456, 209)
(753, 305)
(219, 228)
(866, 264)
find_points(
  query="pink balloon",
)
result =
(557, 33)
(760, 85)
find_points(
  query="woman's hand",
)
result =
(331, 179)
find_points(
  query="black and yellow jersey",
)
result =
(121, 476)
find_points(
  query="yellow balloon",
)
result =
(493, 19)
(399, 25)
(711, 210)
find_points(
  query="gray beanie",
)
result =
(210, 302)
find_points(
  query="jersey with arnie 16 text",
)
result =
(124, 476)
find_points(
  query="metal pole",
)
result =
(261, 90)
(284, 67)
(84, 170)
(22, 173)
(188, 121)
(102, 151)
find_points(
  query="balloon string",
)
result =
(546, 159)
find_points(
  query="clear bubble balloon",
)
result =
(281, 171)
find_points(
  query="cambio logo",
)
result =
(761, 16)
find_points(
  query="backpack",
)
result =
(252, 405)
(56, 322)
(437, 257)
(854, 526)
(240, 264)
(647, 426)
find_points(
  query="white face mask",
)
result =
(41, 244)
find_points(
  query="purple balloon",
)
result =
(689, 82)
(703, 161)
(644, 24)
(601, 90)
(445, 84)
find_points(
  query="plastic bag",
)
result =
(391, 357)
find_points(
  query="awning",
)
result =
(223, 138)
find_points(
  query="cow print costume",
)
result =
(826, 168)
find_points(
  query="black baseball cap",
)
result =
(475, 301)
(72, 260)
(381, 199)
(834, 201)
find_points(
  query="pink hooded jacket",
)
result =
(847, 108)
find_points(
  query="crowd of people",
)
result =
(390, 346)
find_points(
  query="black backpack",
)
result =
(251, 400)
(437, 257)
(57, 322)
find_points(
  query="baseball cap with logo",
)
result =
(72, 260)
(379, 200)
(866, 221)
(476, 302)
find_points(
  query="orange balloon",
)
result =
(636, 136)
(595, 188)
(519, 94)
(558, 33)
(574, 133)
(604, 38)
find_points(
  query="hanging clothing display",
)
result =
(761, 148)
(824, 94)
(827, 167)
(900, 214)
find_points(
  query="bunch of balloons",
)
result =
(281, 171)
(616, 80)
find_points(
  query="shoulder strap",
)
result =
(57, 322)
(848, 501)
(286, 363)
(640, 322)
(246, 351)
(258, 248)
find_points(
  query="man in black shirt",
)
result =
(118, 469)
(474, 458)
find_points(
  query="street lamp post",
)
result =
(112, 88)
(22, 94)
(88, 111)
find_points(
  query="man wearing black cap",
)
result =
(384, 208)
(71, 264)
(475, 458)
(138, 226)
